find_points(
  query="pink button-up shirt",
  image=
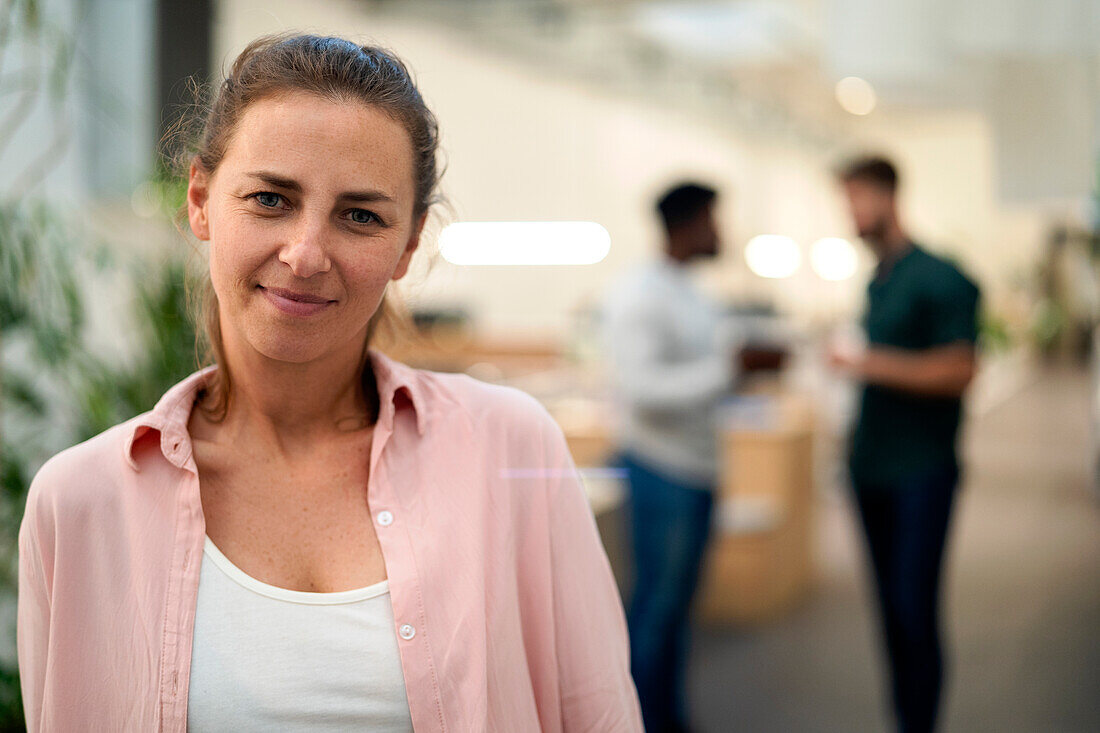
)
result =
(506, 612)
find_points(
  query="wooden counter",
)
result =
(759, 563)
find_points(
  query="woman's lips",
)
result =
(293, 307)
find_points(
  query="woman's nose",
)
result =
(306, 252)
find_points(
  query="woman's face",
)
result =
(312, 201)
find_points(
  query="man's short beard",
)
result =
(876, 232)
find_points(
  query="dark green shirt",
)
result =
(916, 302)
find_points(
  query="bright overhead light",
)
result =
(834, 258)
(856, 95)
(524, 243)
(773, 255)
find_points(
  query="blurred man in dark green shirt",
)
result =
(921, 324)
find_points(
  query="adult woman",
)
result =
(225, 559)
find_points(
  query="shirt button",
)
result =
(385, 519)
(407, 632)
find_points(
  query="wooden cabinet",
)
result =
(760, 558)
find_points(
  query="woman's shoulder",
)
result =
(78, 475)
(459, 395)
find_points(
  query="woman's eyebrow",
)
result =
(365, 196)
(290, 184)
(277, 181)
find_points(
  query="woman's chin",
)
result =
(295, 353)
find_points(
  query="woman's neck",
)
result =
(286, 408)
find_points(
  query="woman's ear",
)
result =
(198, 193)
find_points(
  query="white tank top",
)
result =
(267, 658)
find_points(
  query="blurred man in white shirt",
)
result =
(673, 357)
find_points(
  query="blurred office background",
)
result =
(564, 110)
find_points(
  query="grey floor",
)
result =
(1022, 598)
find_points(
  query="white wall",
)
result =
(524, 144)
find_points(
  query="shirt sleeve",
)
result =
(954, 310)
(32, 622)
(643, 374)
(593, 650)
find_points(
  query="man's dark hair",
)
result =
(871, 169)
(684, 202)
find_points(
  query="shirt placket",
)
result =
(179, 618)
(392, 528)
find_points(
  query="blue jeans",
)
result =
(669, 527)
(905, 525)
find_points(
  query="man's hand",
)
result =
(846, 362)
(942, 371)
(762, 358)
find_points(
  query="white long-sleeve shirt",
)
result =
(670, 351)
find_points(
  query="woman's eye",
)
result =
(362, 216)
(270, 200)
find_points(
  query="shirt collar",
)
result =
(394, 378)
(170, 415)
(668, 264)
(886, 266)
(673, 272)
